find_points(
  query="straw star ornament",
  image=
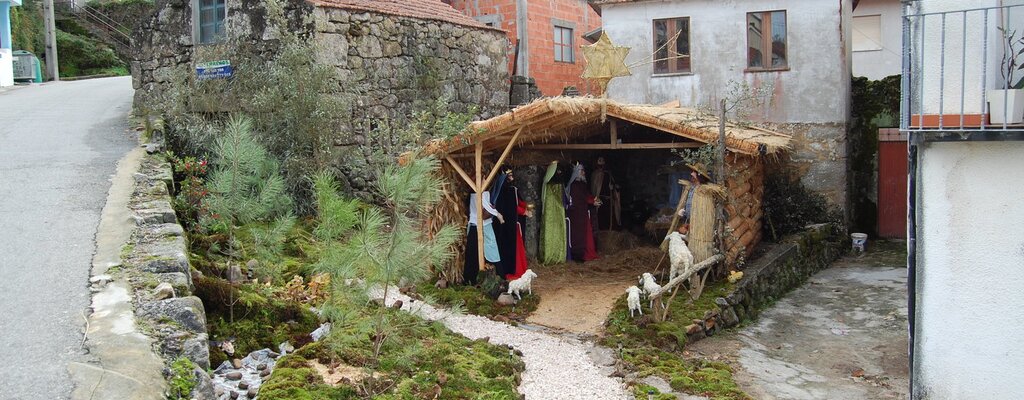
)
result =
(605, 61)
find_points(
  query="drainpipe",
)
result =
(912, 141)
(523, 33)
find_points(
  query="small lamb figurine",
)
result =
(524, 282)
(633, 300)
(679, 255)
(650, 285)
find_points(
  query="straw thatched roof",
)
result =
(569, 119)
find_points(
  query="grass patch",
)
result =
(652, 348)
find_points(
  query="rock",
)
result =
(252, 265)
(729, 317)
(186, 311)
(252, 393)
(153, 148)
(204, 386)
(286, 348)
(223, 368)
(397, 305)
(163, 230)
(693, 328)
(163, 291)
(441, 284)
(243, 385)
(261, 367)
(181, 282)
(501, 318)
(233, 376)
(236, 363)
(722, 303)
(506, 299)
(100, 280)
(233, 395)
(321, 332)
(197, 349)
(259, 358)
(264, 373)
(235, 274)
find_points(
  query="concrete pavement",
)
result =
(841, 336)
(59, 144)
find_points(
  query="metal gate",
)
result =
(892, 184)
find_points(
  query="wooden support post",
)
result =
(504, 154)
(479, 189)
(462, 173)
(615, 134)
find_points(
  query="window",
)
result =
(563, 45)
(210, 18)
(671, 45)
(491, 20)
(867, 33)
(766, 41)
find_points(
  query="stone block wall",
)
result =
(387, 66)
(156, 264)
(784, 267)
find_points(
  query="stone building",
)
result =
(548, 33)
(693, 51)
(392, 57)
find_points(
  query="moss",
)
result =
(417, 357)
(651, 348)
(182, 379)
(472, 300)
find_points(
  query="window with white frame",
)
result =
(209, 20)
(867, 33)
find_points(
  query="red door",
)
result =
(892, 189)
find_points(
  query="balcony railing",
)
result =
(955, 66)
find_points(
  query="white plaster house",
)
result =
(877, 38)
(798, 48)
(966, 220)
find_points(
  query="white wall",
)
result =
(6, 68)
(942, 76)
(878, 64)
(969, 342)
(814, 90)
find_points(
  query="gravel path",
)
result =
(556, 367)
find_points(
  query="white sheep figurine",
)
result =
(522, 283)
(651, 286)
(633, 300)
(679, 255)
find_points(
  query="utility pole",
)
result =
(51, 40)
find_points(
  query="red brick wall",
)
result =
(551, 76)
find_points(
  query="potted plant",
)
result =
(1006, 105)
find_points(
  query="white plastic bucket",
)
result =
(859, 241)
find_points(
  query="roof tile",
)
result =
(420, 9)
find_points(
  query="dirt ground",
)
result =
(577, 297)
(840, 336)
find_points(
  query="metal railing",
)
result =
(956, 63)
(117, 32)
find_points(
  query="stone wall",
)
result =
(784, 267)
(387, 66)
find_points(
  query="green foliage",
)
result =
(386, 244)
(27, 27)
(391, 138)
(875, 104)
(83, 55)
(182, 379)
(789, 206)
(704, 155)
(245, 185)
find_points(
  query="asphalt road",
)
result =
(59, 144)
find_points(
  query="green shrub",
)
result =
(182, 379)
(81, 55)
